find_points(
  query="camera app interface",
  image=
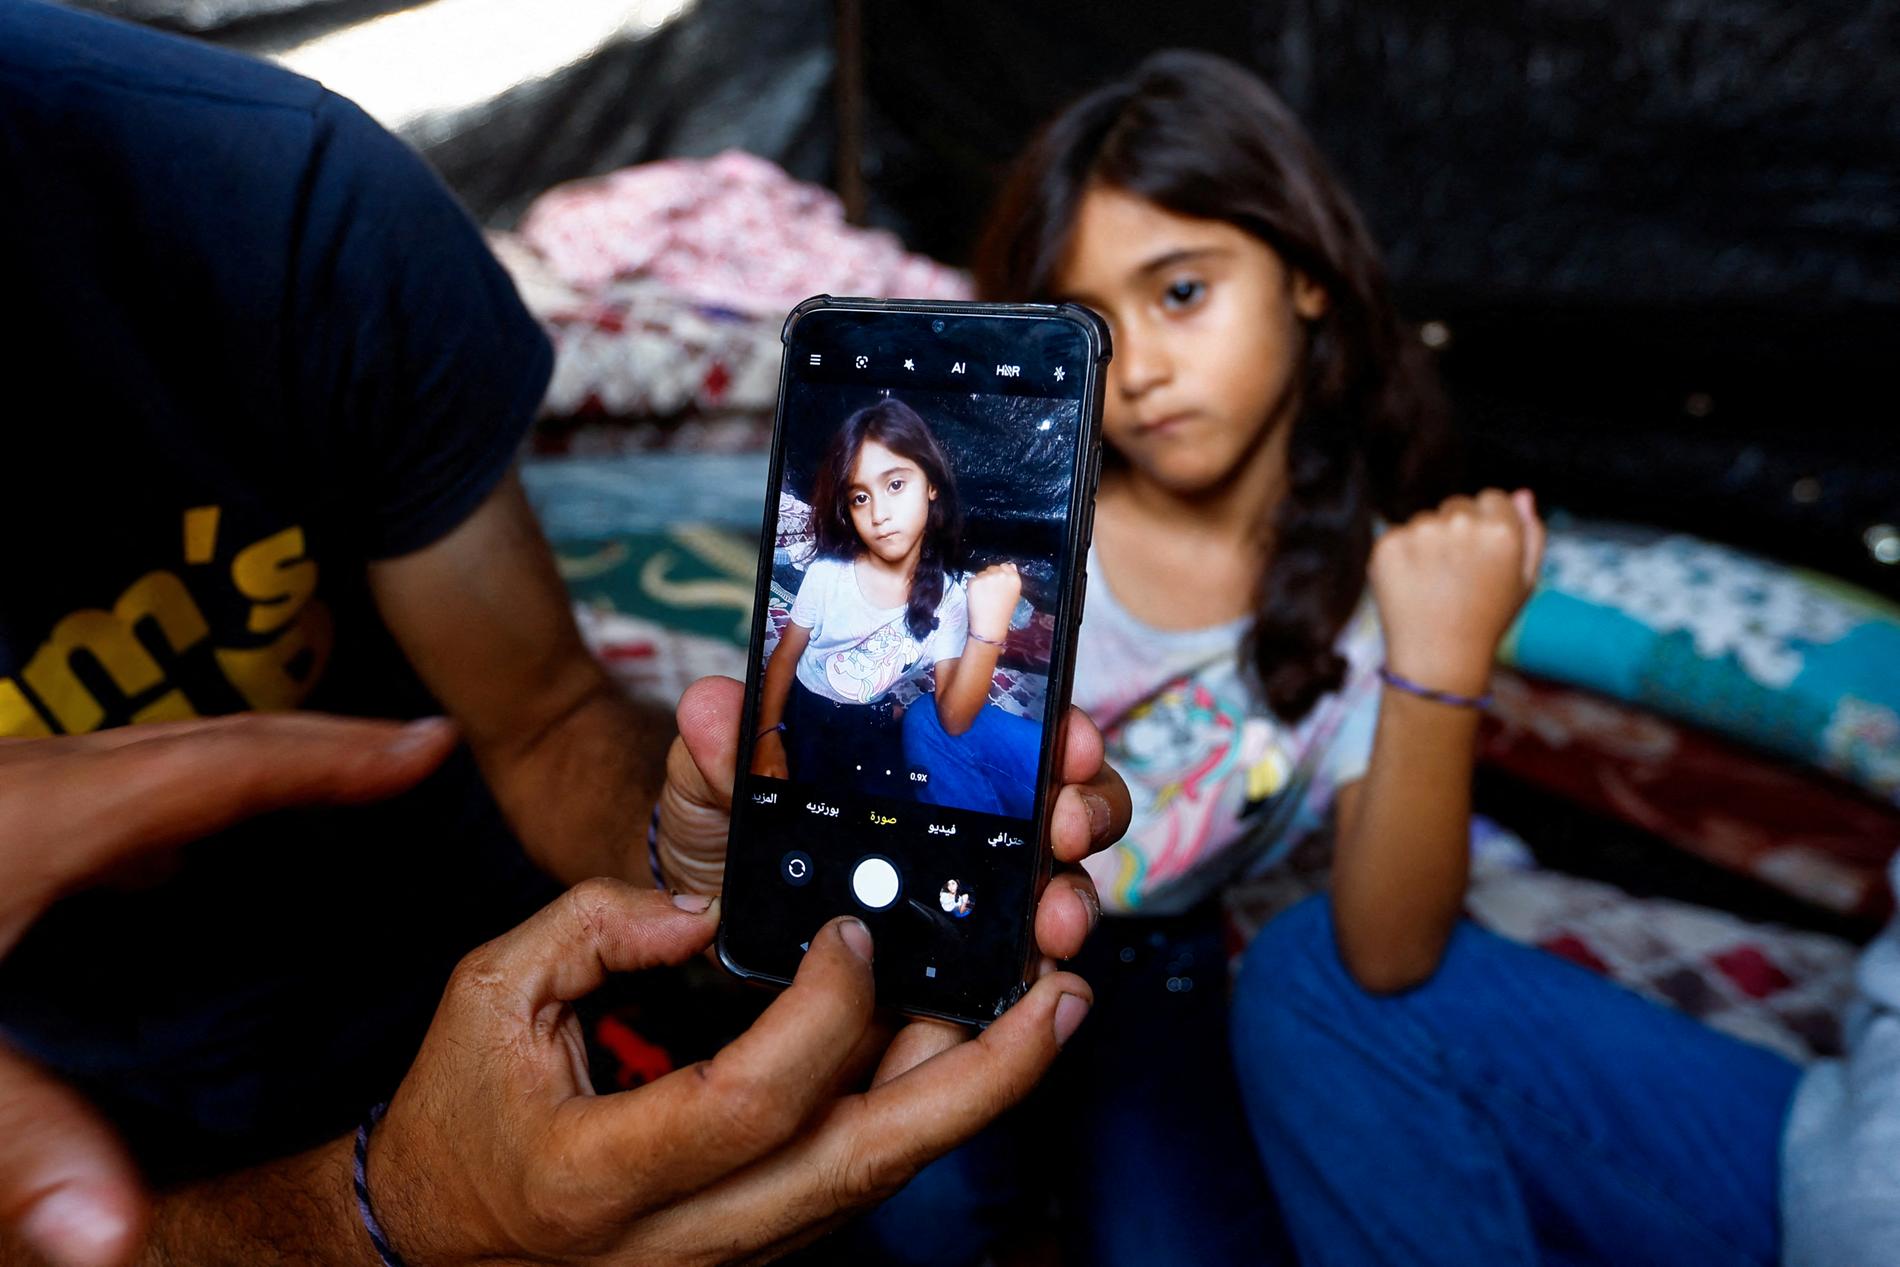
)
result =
(903, 702)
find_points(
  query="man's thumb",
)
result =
(709, 727)
(67, 1186)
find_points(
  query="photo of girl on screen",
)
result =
(886, 600)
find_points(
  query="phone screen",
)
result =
(927, 522)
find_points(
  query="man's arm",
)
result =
(299, 1212)
(575, 764)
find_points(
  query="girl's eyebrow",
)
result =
(895, 470)
(1155, 264)
(1180, 255)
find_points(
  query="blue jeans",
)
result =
(1514, 1109)
(1136, 1130)
(989, 768)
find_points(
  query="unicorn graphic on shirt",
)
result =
(863, 672)
(1184, 748)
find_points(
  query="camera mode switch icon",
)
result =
(796, 868)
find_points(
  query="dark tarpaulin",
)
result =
(1664, 242)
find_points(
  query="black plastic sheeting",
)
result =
(1663, 241)
(1585, 150)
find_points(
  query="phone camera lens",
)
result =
(936, 327)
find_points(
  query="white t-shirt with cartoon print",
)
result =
(1221, 786)
(857, 651)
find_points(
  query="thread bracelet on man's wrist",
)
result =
(653, 849)
(377, 1237)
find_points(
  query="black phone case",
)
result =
(1080, 522)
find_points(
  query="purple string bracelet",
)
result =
(377, 1237)
(1397, 683)
(653, 849)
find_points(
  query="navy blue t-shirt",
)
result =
(255, 346)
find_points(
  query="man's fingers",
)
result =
(124, 790)
(566, 950)
(1082, 749)
(868, 1146)
(697, 1125)
(915, 1043)
(66, 1184)
(709, 714)
(1089, 817)
(945, 1100)
(1067, 914)
(868, 1056)
(98, 799)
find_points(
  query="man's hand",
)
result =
(73, 808)
(496, 1147)
(1091, 812)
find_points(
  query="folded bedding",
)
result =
(1804, 832)
(664, 288)
(733, 232)
(1786, 660)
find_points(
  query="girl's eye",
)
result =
(897, 486)
(859, 499)
(1184, 293)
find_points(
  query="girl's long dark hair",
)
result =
(900, 429)
(1201, 137)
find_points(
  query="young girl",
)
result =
(883, 599)
(1280, 640)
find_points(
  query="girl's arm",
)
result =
(963, 683)
(768, 754)
(1447, 584)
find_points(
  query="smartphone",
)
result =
(921, 578)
